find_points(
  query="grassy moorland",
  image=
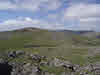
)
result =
(73, 47)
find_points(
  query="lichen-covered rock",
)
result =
(14, 54)
(34, 64)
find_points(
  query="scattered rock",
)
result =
(34, 68)
(12, 54)
(15, 54)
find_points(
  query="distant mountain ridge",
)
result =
(76, 31)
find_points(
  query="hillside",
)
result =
(74, 47)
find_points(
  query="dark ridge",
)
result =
(83, 32)
(59, 30)
(98, 36)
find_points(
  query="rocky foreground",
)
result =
(23, 63)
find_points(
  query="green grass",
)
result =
(55, 70)
(94, 59)
(49, 44)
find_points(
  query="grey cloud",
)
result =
(32, 5)
(83, 16)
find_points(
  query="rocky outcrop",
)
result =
(21, 63)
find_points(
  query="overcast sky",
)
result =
(50, 14)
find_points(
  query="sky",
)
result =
(50, 14)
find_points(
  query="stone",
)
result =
(12, 54)
(20, 52)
